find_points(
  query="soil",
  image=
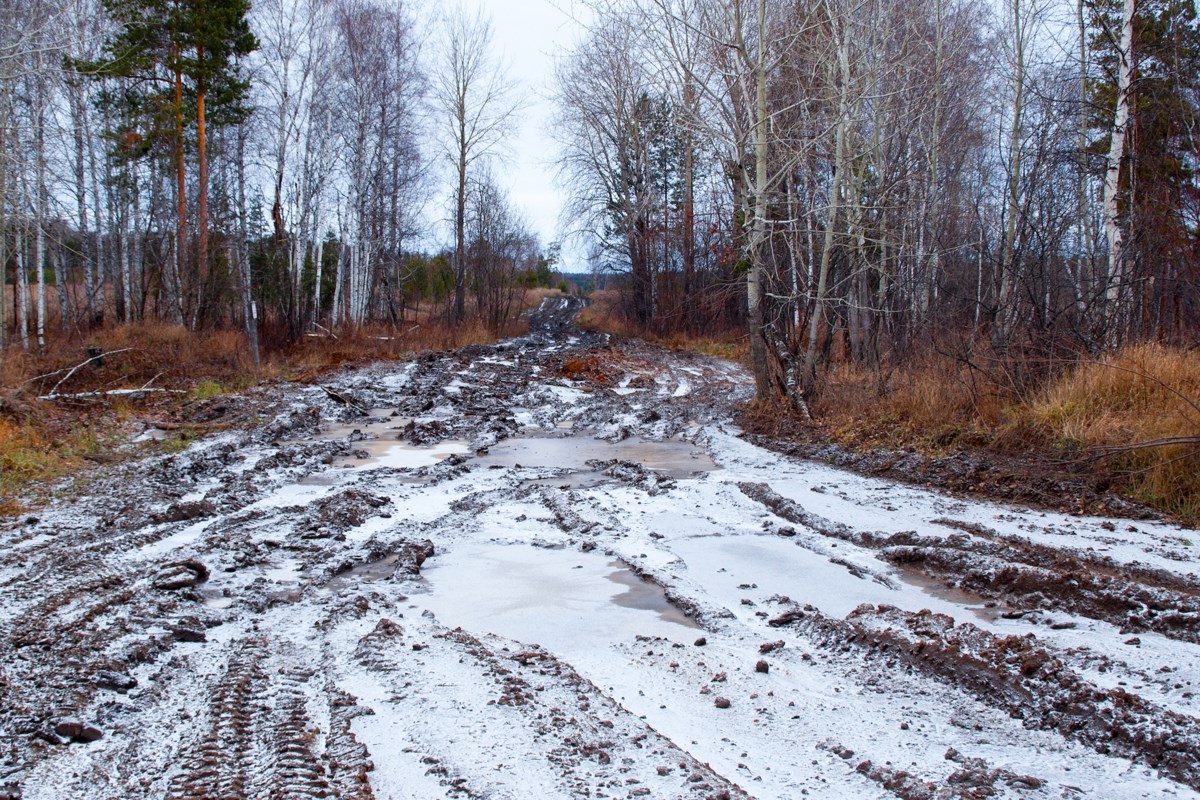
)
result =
(397, 584)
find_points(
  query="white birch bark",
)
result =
(1117, 278)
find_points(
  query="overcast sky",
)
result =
(527, 35)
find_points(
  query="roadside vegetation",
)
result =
(1129, 421)
(178, 371)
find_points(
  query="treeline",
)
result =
(870, 177)
(209, 163)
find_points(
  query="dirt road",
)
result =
(552, 569)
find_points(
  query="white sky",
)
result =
(526, 35)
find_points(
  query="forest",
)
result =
(842, 180)
(270, 168)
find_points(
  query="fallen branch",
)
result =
(339, 398)
(73, 369)
(188, 426)
(1169, 441)
(108, 393)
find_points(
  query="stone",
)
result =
(180, 575)
(188, 632)
(762, 666)
(117, 681)
(701, 642)
(90, 733)
(721, 702)
(69, 727)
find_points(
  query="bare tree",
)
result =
(479, 105)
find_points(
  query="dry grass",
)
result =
(1088, 417)
(1144, 393)
(932, 403)
(43, 439)
(605, 314)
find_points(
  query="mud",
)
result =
(553, 568)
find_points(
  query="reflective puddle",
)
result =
(375, 441)
(672, 458)
(564, 600)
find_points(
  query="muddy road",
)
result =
(553, 569)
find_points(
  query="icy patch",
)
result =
(564, 600)
(671, 457)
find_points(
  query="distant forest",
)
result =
(839, 179)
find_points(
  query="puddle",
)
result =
(641, 593)
(951, 594)
(672, 458)
(570, 602)
(216, 598)
(362, 573)
(771, 566)
(375, 440)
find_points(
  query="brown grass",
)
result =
(1080, 418)
(41, 440)
(605, 314)
(1144, 393)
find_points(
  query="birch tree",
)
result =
(478, 104)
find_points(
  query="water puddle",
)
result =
(773, 566)
(362, 573)
(648, 596)
(951, 594)
(565, 600)
(376, 442)
(672, 458)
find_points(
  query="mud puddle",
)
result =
(643, 594)
(379, 570)
(951, 594)
(570, 602)
(671, 458)
(375, 441)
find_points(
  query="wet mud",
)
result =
(553, 568)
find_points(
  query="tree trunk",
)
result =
(1116, 293)
(1005, 307)
(809, 375)
(249, 310)
(176, 272)
(759, 353)
(22, 289)
(78, 121)
(202, 276)
(460, 216)
(39, 247)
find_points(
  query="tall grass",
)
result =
(1092, 416)
(1110, 408)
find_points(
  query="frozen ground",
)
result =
(553, 569)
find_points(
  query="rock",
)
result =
(181, 575)
(69, 727)
(721, 702)
(762, 666)
(767, 647)
(188, 631)
(179, 512)
(701, 642)
(1134, 641)
(117, 681)
(90, 733)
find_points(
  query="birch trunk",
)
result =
(39, 246)
(809, 375)
(758, 233)
(22, 290)
(1116, 293)
(1005, 313)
